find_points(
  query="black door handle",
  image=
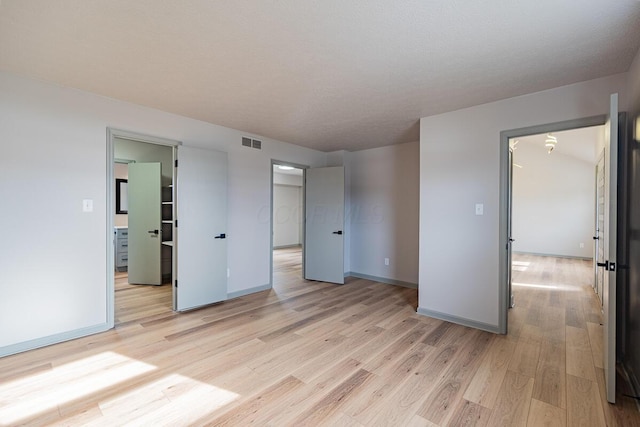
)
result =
(221, 236)
(596, 237)
(512, 240)
(603, 264)
(156, 232)
(337, 232)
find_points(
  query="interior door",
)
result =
(324, 225)
(599, 227)
(510, 240)
(201, 240)
(609, 243)
(144, 190)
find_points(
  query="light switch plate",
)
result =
(87, 205)
(479, 209)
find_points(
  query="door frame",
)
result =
(304, 168)
(113, 133)
(505, 190)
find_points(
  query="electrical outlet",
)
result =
(479, 209)
(386, 261)
(228, 273)
(581, 245)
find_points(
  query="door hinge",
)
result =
(176, 223)
(176, 281)
(176, 163)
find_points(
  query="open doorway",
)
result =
(143, 227)
(553, 221)
(554, 218)
(287, 221)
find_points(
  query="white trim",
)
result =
(459, 320)
(243, 292)
(385, 280)
(52, 339)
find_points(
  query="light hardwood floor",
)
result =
(308, 353)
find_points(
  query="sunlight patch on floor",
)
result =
(520, 265)
(554, 286)
(65, 384)
(163, 402)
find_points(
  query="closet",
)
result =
(147, 172)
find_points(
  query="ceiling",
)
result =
(579, 143)
(329, 75)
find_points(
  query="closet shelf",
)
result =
(167, 221)
(168, 243)
(167, 203)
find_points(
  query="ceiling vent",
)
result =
(257, 144)
(246, 142)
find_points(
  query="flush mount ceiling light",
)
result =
(285, 168)
(550, 143)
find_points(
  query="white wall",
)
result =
(53, 258)
(459, 167)
(553, 202)
(287, 215)
(287, 179)
(384, 211)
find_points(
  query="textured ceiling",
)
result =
(331, 74)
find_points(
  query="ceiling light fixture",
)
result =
(550, 143)
(285, 168)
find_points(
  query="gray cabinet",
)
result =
(121, 248)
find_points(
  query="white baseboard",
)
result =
(52, 339)
(459, 320)
(238, 294)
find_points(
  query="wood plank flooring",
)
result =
(310, 353)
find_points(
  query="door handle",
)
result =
(337, 232)
(603, 264)
(512, 240)
(596, 237)
(156, 232)
(221, 236)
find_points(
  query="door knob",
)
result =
(156, 232)
(337, 232)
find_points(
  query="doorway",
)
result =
(535, 243)
(287, 225)
(141, 212)
(551, 231)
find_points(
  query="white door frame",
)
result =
(503, 240)
(113, 133)
(303, 213)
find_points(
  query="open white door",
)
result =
(144, 223)
(599, 227)
(202, 226)
(324, 225)
(510, 299)
(609, 243)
